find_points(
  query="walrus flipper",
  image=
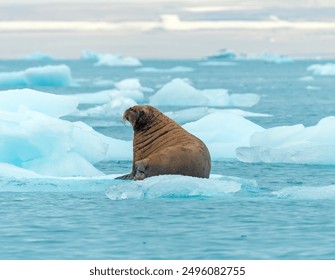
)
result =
(126, 177)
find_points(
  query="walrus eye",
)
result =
(141, 114)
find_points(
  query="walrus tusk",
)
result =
(125, 117)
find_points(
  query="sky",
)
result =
(167, 29)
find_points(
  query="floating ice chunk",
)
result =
(118, 149)
(266, 57)
(223, 133)
(117, 60)
(100, 97)
(39, 56)
(244, 100)
(89, 55)
(50, 146)
(130, 88)
(115, 108)
(12, 171)
(15, 179)
(292, 144)
(312, 87)
(69, 164)
(47, 103)
(308, 193)
(327, 69)
(188, 115)
(110, 59)
(180, 93)
(175, 186)
(50, 75)
(246, 114)
(177, 69)
(217, 63)
(128, 84)
(307, 79)
(223, 54)
(125, 89)
(216, 97)
(194, 114)
(99, 82)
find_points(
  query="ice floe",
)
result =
(193, 114)
(47, 103)
(268, 57)
(36, 56)
(180, 93)
(307, 79)
(217, 63)
(111, 111)
(177, 186)
(109, 59)
(127, 88)
(50, 146)
(327, 69)
(15, 179)
(223, 132)
(40, 142)
(50, 75)
(130, 88)
(229, 55)
(176, 69)
(292, 144)
(223, 54)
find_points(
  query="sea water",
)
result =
(282, 211)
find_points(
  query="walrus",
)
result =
(161, 146)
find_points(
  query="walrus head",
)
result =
(140, 117)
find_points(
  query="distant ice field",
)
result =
(269, 128)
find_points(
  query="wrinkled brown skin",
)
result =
(161, 146)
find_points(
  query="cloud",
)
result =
(167, 22)
(213, 9)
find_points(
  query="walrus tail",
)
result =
(126, 177)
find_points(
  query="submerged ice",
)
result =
(177, 186)
(307, 193)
